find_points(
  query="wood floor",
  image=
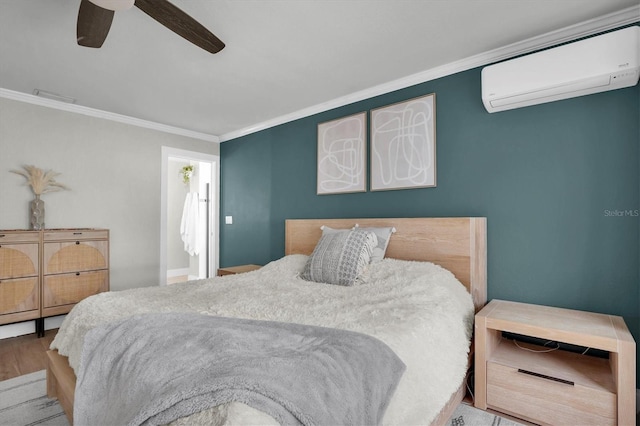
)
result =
(24, 354)
(178, 279)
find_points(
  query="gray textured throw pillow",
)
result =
(340, 257)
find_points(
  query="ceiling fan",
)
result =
(95, 17)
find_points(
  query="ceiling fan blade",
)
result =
(114, 4)
(93, 24)
(180, 23)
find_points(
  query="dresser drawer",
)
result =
(66, 289)
(546, 401)
(18, 260)
(75, 234)
(75, 256)
(7, 237)
(18, 295)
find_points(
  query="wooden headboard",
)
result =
(458, 244)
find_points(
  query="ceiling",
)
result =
(281, 57)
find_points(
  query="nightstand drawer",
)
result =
(547, 401)
(232, 270)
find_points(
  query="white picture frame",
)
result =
(342, 152)
(403, 145)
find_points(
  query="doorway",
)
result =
(189, 216)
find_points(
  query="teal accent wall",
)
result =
(552, 180)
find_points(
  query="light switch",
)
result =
(228, 220)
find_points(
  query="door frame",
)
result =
(214, 243)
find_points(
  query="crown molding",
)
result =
(584, 29)
(92, 112)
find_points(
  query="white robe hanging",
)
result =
(189, 227)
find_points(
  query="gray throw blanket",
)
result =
(155, 368)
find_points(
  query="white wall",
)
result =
(113, 170)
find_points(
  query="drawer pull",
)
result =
(77, 274)
(2, 235)
(77, 233)
(542, 376)
(77, 242)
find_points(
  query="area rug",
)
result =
(24, 402)
(466, 415)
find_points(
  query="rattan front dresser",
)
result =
(45, 273)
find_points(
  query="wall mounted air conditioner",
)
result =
(606, 62)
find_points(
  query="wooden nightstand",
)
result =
(231, 270)
(557, 387)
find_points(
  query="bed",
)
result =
(456, 244)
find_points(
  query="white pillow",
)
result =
(384, 235)
(327, 229)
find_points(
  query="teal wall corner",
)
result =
(551, 180)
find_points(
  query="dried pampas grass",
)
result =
(40, 181)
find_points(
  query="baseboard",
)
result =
(53, 322)
(18, 329)
(29, 327)
(177, 272)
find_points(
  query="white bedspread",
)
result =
(418, 309)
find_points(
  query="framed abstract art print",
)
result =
(342, 151)
(403, 145)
